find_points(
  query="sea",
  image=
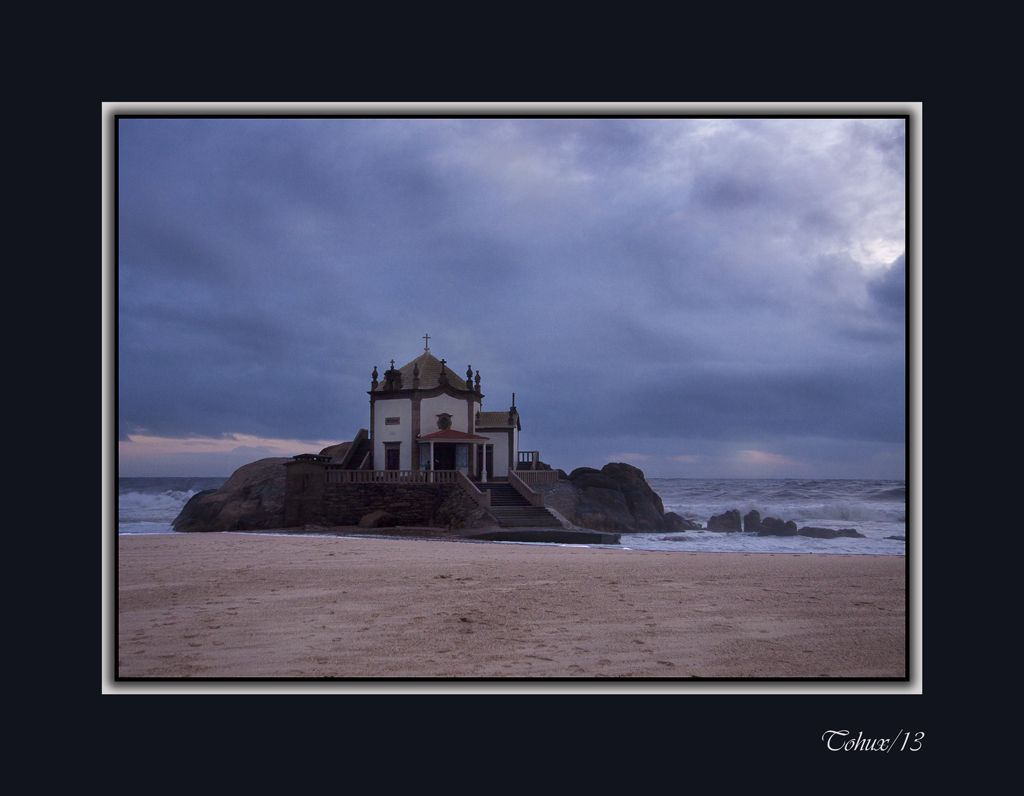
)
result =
(877, 509)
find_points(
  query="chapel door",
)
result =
(391, 459)
(444, 457)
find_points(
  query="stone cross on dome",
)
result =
(426, 346)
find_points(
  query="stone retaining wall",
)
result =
(409, 504)
(310, 499)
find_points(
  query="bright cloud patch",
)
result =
(760, 457)
(629, 457)
(140, 445)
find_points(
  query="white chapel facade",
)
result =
(423, 416)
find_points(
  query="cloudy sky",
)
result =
(699, 297)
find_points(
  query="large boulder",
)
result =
(673, 522)
(589, 499)
(730, 522)
(616, 499)
(752, 521)
(336, 452)
(818, 533)
(378, 519)
(772, 526)
(644, 503)
(589, 478)
(601, 509)
(829, 533)
(252, 499)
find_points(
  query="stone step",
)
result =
(551, 522)
(525, 516)
(507, 497)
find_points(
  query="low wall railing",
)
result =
(536, 498)
(483, 499)
(528, 460)
(537, 476)
(392, 476)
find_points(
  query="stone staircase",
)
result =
(512, 510)
(362, 448)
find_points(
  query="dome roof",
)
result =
(429, 375)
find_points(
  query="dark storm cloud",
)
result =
(727, 192)
(706, 278)
(890, 289)
(699, 402)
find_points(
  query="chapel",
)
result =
(424, 416)
(430, 455)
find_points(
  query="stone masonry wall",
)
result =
(303, 494)
(409, 504)
(458, 510)
(309, 499)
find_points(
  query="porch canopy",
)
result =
(448, 437)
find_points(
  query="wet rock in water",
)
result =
(673, 522)
(752, 521)
(897, 538)
(730, 522)
(830, 533)
(772, 526)
(818, 533)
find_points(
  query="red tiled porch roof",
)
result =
(452, 435)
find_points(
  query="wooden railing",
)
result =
(537, 476)
(392, 476)
(536, 498)
(483, 499)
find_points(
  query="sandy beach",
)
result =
(237, 605)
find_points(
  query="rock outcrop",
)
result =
(378, 519)
(830, 533)
(772, 526)
(729, 522)
(252, 499)
(615, 499)
(675, 523)
(336, 452)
